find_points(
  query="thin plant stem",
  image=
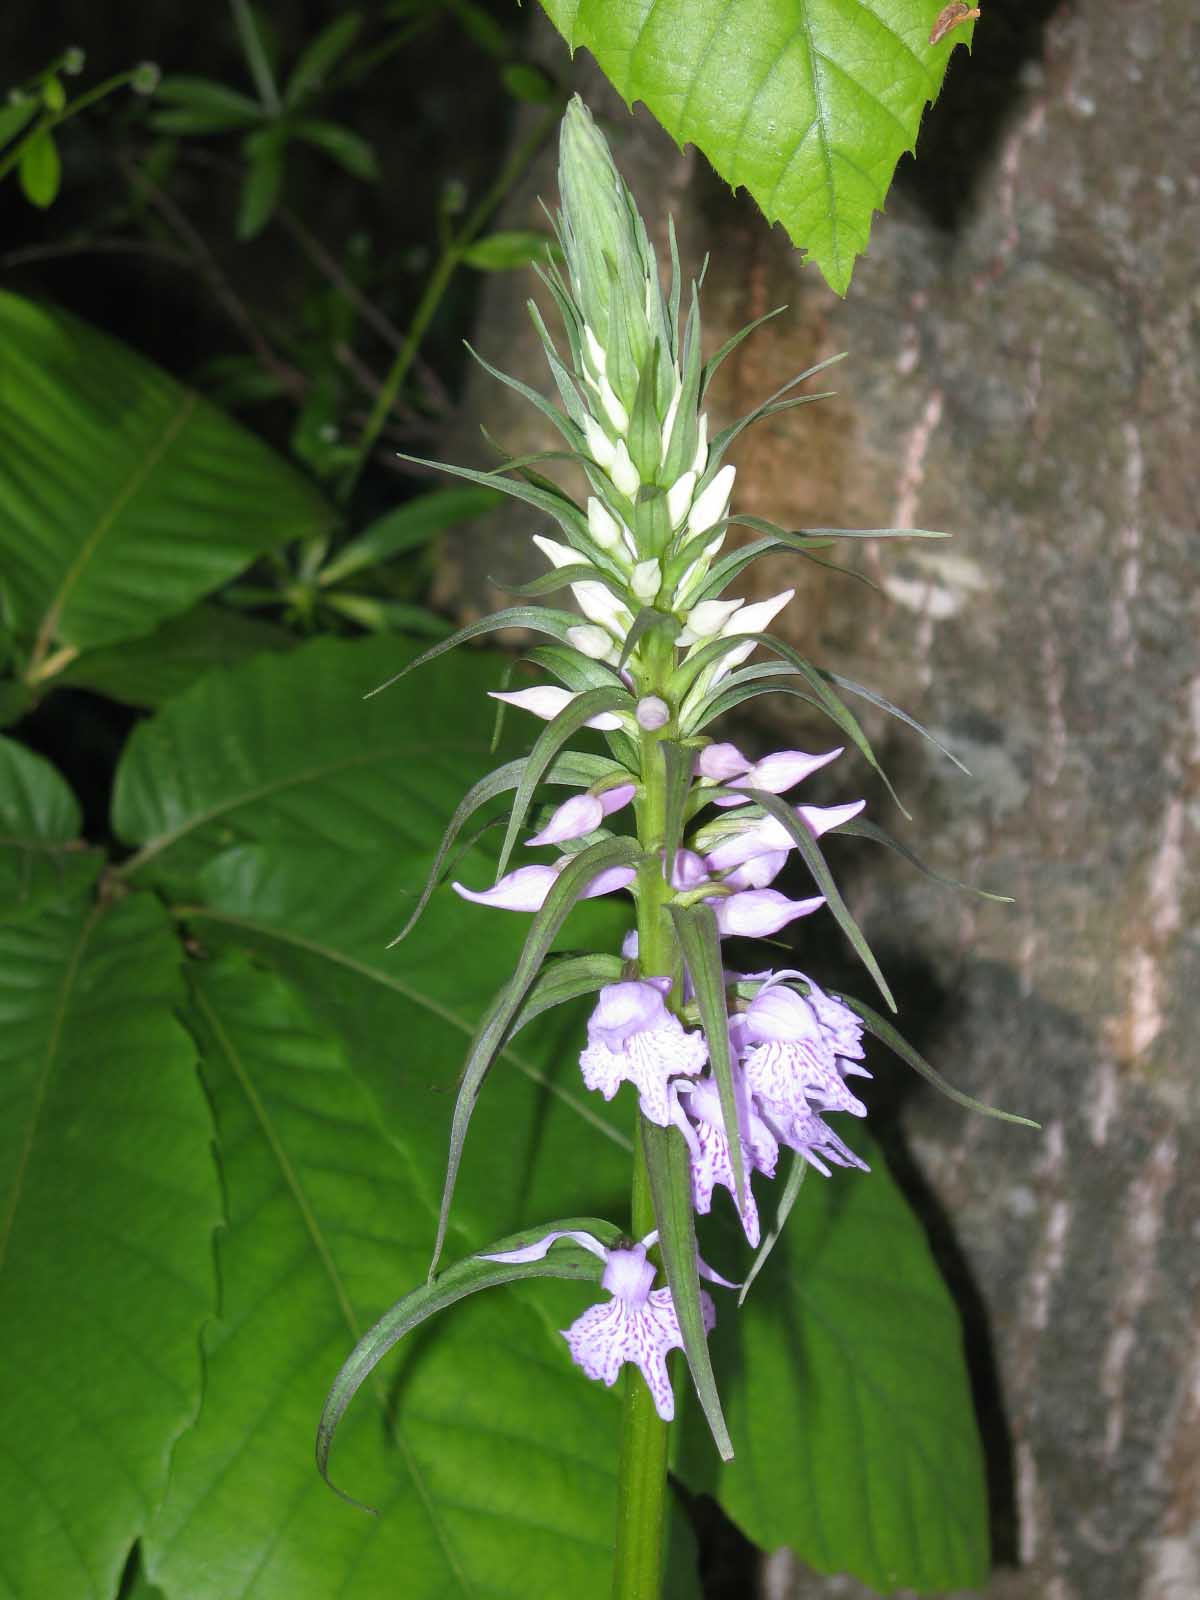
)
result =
(642, 1469)
(435, 288)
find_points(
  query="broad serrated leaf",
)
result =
(108, 1202)
(124, 497)
(808, 104)
(846, 1390)
(491, 1460)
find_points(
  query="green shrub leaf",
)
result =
(847, 1396)
(124, 498)
(108, 1202)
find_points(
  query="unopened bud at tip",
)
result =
(652, 713)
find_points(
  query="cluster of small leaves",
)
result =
(34, 110)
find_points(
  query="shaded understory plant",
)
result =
(736, 1074)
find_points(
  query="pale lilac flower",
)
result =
(758, 872)
(703, 1126)
(546, 701)
(638, 1324)
(688, 871)
(721, 762)
(777, 773)
(743, 839)
(758, 913)
(526, 889)
(633, 1038)
(582, 813)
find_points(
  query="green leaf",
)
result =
(809, 104)
(700, 942)
(124, 498)
(486, 1452)
(541, 619)
(108, 1202)
(40, 170)
(495, 1025)
(504, 252)
(320, 56)
(342, 145)
(41, 855)
(846, 1389)
(669, 1168)
(798, 1170)
(571, 767)
(409, 527)
(547, 745)
(861, 828)
(203, 107)
(889, 1035)
(15, 116)
(566, 1259)
(808, 848)
(265, 152)
(256, 47)
(153, 669)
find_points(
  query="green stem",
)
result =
(431, 297)
(642, 1471)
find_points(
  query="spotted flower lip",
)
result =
(633, 1038)
(639, 1323)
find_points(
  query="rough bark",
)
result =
(1023, 370)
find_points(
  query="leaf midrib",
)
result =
(173, 426)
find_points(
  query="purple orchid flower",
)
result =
(638, 1324)
(758, 913)
(633, 1038)
(583, 812)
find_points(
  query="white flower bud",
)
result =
(600, 605)
(707, 620)
(701, 458)
(646, 580)
(594, 352)
(756, 618)
(623, 472)
(712, 504)
(593, 642)
(600, 446)
(679, 498)
(668, 426)
(602, 525)
(558, 555)
(617, 413)
(652, 713)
